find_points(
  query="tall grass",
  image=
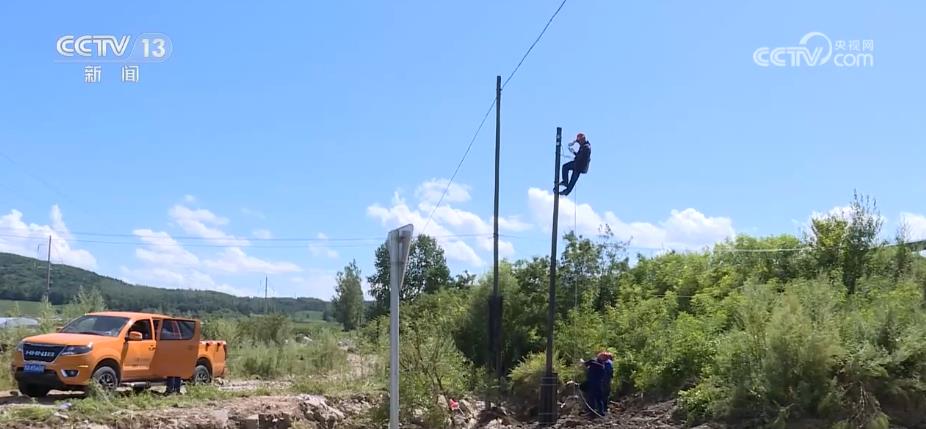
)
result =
(269, 360)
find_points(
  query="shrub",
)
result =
(778, 362)
(221, 329)
(276, 328)
(270, 361)
(526, 376)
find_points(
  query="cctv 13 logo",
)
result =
(147, 47)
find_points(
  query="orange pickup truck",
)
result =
(116, 348)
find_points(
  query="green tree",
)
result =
(842, 244)
(348, 301)
(86, 301)
(426, 272)
(47, 316)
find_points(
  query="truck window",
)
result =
(172, 329)
(109, 326)
(143, 327)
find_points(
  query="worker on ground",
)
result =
(578, 165)
(607, 362)
(594, 379)
(173, 385)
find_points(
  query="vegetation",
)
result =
(348, 301)
(828, 327)
(425, 272)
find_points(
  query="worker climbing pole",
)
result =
(579, 165)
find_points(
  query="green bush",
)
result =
(271, 361)
(276, 329)
(432, 369)
(221, 329)
(526, 376)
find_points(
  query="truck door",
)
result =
(137, 355)
(177, 348)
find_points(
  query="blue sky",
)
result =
(344, 119)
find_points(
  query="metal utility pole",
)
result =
(266, 297)
(399, 243)
(550, 381)
(48, 272)
(495, 306)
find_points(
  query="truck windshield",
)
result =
(109, 326)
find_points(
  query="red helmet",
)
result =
(580, 135)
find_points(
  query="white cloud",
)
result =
(263, 234)
(685, 229)
(320, 249)
(843, 212)
(166, 263)
(162, 249)
(314, 282)
(22, 239)
(916, 225)
(203, 223)
(513, 224)
(234, 260)
(457, 230)
(430, 192)
(177, 279)
(189, 199)
(401, 214)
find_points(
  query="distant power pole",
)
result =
(266, 298)
(48, 273)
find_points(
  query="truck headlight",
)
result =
(19, 346)
(76, 350)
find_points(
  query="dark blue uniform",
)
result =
(595, 374)
(577, 166)
(606, 387)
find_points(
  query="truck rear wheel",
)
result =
(33, 391)
(202, 375)
(106, 378)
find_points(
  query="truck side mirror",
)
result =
(135, 336)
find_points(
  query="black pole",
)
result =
(550, 380)
(497, 346)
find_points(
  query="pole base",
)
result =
(549, 412)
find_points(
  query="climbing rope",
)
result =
(577, 393)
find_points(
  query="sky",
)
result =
(284, 140)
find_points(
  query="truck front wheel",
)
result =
(106, 378)
(33, 391)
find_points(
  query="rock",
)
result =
(572, 405)
(220, 418)
(281, 420)
(316, 409)
(251, 422)
(496, 424)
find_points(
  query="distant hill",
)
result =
(23, 278)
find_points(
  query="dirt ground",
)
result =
(307, 411)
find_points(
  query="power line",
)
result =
(459, 164)
(486, 116)
(152, 242)
(35, 177)
(550, 21)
